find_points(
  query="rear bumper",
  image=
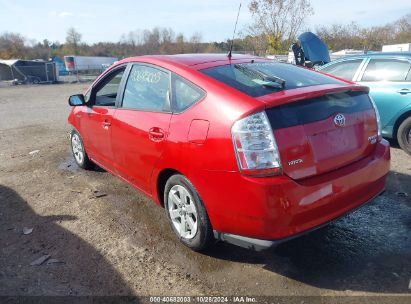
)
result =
(260, 245)
(274, 209)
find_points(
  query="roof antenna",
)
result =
(235, 27)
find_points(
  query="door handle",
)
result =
(404, 91)
(156, 134)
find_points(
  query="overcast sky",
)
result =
(214, 19)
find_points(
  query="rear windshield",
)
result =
(262, 78)
(316, 109)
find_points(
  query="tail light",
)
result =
(255, 147)
(377, 117)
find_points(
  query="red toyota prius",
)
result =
(240, 149)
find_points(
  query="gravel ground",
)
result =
(102, 237)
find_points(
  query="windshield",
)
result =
(262, 78)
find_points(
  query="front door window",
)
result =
(105, 93)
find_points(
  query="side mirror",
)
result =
(77, 100)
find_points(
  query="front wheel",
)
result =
(79, 152)
(404, 135)
(187, 214)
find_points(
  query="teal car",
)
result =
(388, 75)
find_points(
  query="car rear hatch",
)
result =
(314, 48)
(324, 131)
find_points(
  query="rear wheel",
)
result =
(404, 135)
(79, 152)
(187, 214)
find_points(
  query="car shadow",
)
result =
(368, 250)
(74, 267)
(393, 143)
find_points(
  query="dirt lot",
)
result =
(105, 238)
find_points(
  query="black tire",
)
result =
(404, 135)
(203, 237)
(84, 162)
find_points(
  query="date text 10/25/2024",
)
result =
(203, 299)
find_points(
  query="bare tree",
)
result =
(12, 45)
(352, 36)
(133, 38)
(195, 42)
(403, 29)
(73, 40)
(167, 35)
(180, 43)
(278, 21)
(342, 36)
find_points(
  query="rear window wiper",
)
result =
(261, 75)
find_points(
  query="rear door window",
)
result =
(147, 89)
(386, 70)
(345, 69)
(185, 93)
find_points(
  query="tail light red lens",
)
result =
(255, 146)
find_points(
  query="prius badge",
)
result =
(295, 162)
(339, 120)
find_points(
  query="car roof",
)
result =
(191, 60)
(368, 55)
(388, 54)
(377, 54)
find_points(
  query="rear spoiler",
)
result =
(288, 96)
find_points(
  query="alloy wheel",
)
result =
(183, 212)
(78, 150)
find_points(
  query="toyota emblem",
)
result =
(339, 120)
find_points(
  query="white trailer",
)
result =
(87, 63)
(404, 47)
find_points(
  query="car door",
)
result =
(390, 85)
(97, 117)
(141, 123)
